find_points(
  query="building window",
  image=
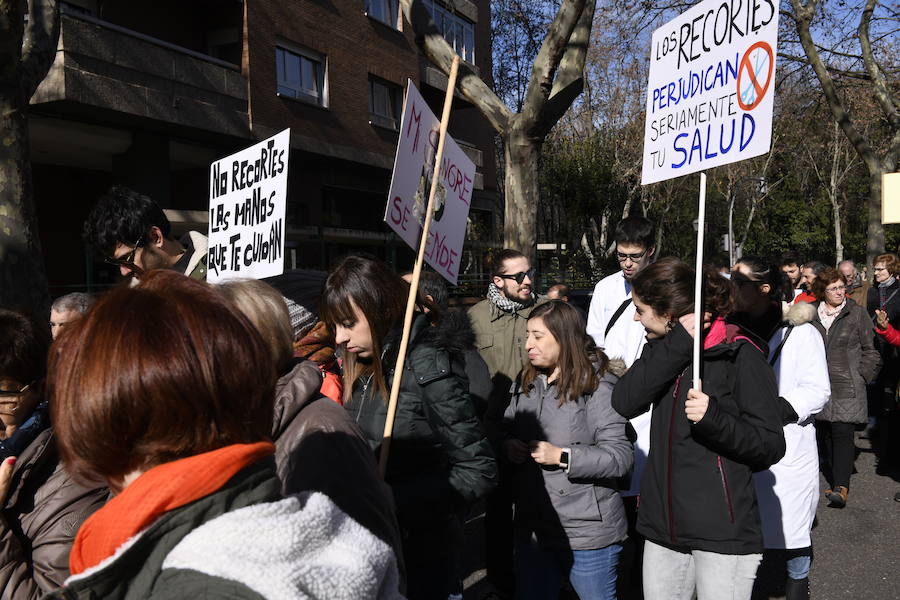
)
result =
(301, 75)
(457, 30)
(384, 11)
(385, 104)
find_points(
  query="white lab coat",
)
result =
(609, 293)
(788, 492)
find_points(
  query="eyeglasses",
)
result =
(622, 257)
(834, 290)
(126, 260)
(14, 393)
(520, 276)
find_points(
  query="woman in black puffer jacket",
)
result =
(698, 508)
(440, 461)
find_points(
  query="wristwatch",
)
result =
(564, 457)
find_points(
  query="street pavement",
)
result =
(857, 548)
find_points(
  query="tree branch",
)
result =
(879, 84)
(39, 44)
(439, 52)
(835, 70)
(547, 60)
(803, 16)
(569, 81)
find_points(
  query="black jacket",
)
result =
(440, 460)
(697, 491)
(890, 355)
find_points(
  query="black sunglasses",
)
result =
(520, 276)
(18, 392)
(126, 260)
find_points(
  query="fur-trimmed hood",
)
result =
(616, 367)
(799, 313)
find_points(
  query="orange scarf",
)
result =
(157, 491)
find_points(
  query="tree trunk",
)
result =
(875, 242)
(521, 191)
(23, 282)
(838, 243)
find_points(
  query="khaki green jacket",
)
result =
(500, 340)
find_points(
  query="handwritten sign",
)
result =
(411, 184)
(711, 88)
(247, 201)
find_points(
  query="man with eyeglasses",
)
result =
(612, 325)
(611, 307)
(499, 324)
(131, 231)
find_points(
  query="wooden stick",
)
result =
(417, 271)
(698, 282)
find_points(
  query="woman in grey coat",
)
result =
(853, 362)
(567, 446)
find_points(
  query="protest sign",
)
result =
(890, 198)
(411, 185)
(711, 88)
(430, 216)
(247, 201)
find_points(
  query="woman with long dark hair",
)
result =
(698, 508)
(853, 363)
(788, 491)
(440, 461)
(567, 446)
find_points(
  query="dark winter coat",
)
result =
(42, 514)
(440, 460)
(319, 448)
(853, 362)
(576, 508)
(697, 490)
(890, 354)
(477, 373)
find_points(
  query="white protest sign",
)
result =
(411, 183)
(247, 201)
(711, 88)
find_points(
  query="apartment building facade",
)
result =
(147, 94)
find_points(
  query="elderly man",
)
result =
(857, 287)
(66, 309)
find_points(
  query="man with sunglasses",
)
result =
(131, 231)
(499, 324)
(612, 324)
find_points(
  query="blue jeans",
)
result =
(539, 572)
(798, 567)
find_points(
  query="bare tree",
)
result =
(556, 80)
(28, 39)
(876, 76)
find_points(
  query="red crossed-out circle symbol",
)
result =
(754, 92)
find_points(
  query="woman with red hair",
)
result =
(165, 391)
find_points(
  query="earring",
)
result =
(670, 325)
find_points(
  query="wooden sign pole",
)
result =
(417, 272)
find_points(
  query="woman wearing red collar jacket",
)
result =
(698, 508)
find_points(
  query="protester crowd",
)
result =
(171, 438)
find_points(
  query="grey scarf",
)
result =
(504, 303)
